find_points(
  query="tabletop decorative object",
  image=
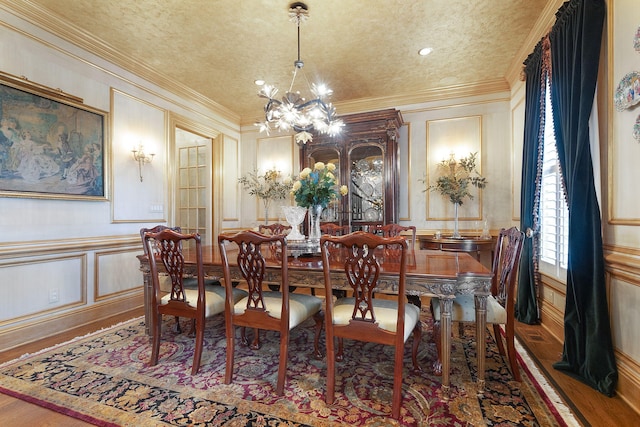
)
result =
(294, 216)
(314, 189)
(454, 182)
(267, 187)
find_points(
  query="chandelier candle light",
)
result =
(294, 111)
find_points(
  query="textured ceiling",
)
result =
(363, 49)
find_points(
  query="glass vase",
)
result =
(456, 230)
(266, 203)
(294, 216)
(315, 212)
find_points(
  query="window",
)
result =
(554, 214)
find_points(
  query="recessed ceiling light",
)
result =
(425, 51)
(259, 82)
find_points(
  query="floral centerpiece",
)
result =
(267, 187)
(315, 189)
(457, 176)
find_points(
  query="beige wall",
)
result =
(65, 262)
(621, 208)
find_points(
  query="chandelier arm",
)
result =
(293, 80)
(307, 128)
(269, 104)
(314, 101)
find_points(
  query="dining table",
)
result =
(430, 273)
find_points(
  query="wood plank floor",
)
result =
(591, 408)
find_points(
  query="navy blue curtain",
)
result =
(575, 50)
(526, 298)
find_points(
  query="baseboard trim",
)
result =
(628, 381)
(45, 327)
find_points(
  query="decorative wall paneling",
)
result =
(136, 122)
(275, 152)
(623, 283)
(51, 286)
(459, 136)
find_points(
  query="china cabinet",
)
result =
(366, 158)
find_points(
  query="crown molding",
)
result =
(541, 27)
(418, 97)
(43, 19)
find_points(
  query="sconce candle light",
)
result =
(142, 158)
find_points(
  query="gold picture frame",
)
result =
(51, 145)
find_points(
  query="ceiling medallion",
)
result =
(294, 111)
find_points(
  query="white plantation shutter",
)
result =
(554, 214)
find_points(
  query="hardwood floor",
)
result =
(590, 407)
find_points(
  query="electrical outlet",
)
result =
(54, 295)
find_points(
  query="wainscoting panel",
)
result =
(38, 285)
(51, 286)
(117, 272)
(623, 283)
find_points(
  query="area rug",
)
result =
(104, 378)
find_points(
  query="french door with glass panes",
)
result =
(193, 184)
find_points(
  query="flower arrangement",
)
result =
(267, 187)
(456, 178)
(317, 187)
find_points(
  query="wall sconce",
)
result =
(142, 158)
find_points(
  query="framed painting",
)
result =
(51, 145)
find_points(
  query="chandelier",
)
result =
(294, 111)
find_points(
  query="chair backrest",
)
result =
(362, 252)
(155, 229)
(273, 229)
(506, 259)
(167, 245)
(392, 230)
(251, 263)
(334, 229)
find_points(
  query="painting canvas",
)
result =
(50, 148)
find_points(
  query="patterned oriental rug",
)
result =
(103, 378)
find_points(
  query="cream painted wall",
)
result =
(74, 261)
(622, 207)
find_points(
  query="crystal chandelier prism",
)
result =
(293, 111)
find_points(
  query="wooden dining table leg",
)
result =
(148, 300)
(481, 329)
(445, 336)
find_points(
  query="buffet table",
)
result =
(471, 244)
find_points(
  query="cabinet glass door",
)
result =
(366, 186)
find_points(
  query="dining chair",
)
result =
(274, 230)
(266, 310)
(391, 230)
(189, 282)
(362, 317)
(500, 307)
(165, 248)
(333, 229)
